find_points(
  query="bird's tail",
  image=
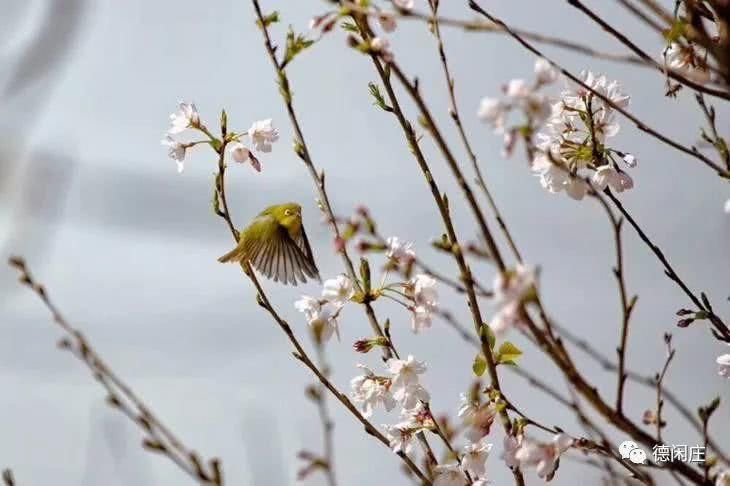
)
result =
(235, 255)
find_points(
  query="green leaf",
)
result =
(508, 354)
(479, 365)
(269, 19)
(378, 96)
(348, 26)
(295, 43)
(365, 274)
(491, 338)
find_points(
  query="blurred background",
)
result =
(127, 246)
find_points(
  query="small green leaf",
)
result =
(479, 365)
(269, 19)
(508, 354)
(348, 26)
(365, 274)
(491, 338)
(295, 43)
(377, 95)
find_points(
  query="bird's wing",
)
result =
(303, 244)
(279, 258)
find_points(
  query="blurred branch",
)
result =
(8, 479)
(491, 27)
(158, 437)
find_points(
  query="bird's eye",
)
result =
(287, 212)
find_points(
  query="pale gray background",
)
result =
(127, 246)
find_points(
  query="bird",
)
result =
(276, 244)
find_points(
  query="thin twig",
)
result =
(659, 381)
(158, 437)
(456, 117)
(8, 478)
(637, 122)
(299, 353)
(621, 37)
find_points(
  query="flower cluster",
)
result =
(519, 96)
(574, 141)
(511, 288)
(402, 386)
(261, 133)
(421, 289)
(524, 452)
(322, 313)
(689, 60)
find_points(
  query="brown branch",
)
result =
(442, 204)
(636, 121)
(659, 381)
(302, 151)
(8, 479)
(627, 306)
(326, 421)
(491, 27)
(646, 57)
(656, 26)
(299, 352)
(456, 117)
(157, 436)
(721, 330)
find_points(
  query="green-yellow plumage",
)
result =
(276, 245)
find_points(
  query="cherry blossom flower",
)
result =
(544, 72)
(480, 423)
(543, 456)
(263, 134)
(727, 206)
(404, 4)
(481, 482)
(468, 407)
(474, 458)
(186, 117)
(400, 437)
(176, 151)
(338, 290)
(401, 251)
(493, 112)
(387, 21)
(321, 316)
(239, 152)
(510, 446)
(723, 362)
(449, 475)
(506, 318)
(405, 372)
(370, 390)
(411, 396)
(424, 291)
(512, 285)
(381, 45)
(517, 88)
(421, 318)
(608, 176)
(690, 61)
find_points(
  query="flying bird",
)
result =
(276, 244)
